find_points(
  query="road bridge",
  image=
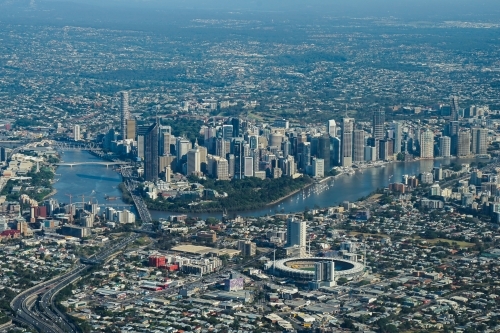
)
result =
(106, 163)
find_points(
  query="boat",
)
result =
(110, 198)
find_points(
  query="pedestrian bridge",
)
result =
(107, 164)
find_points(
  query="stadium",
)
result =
(303, 268)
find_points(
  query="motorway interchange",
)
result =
(35, 307)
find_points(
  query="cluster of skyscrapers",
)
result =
(235, 148)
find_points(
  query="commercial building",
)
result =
(346, 142)
(332, 128)
(151, 153)
(398, 137)
(193, 162)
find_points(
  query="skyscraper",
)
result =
(378, 124)
(332, 128)
(444, 146)
(324, 151)
(193, 162)
(238, 150)
(454, 108)
(182, 147)
(398, 137)
(346, 142)
(125, 113)
(427, 144)
(463, 143)
(306, 155)
(296, 232)
(479, 141)
(452, 132)
(131, 129)
(236, 127)
(76, 133)
(151, 153)
(359, 146)
(227, 132)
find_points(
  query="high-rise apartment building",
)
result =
(444, 146)
(359, 146)
(479, 141)
(76, 133)
(427, 144)
(318, 167)
(296, 233)
(346, 142)
(124, 113)
(463, 148)
(454, 108)
(398, 137)
(151, 153)
(378, 124)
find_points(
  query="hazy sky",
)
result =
(406, 8)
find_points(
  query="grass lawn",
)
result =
(355, 233)
(449, 241)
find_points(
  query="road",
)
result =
(36, 307)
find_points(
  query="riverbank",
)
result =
(52, 193)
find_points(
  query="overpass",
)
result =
(106, 163)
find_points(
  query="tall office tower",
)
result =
(222, 169)
(166, 139)
(182, 147)
(141, 134)
(324, 151)
(378, 124)
(346, 139)
(335, 151)
(131, 129)
(479, 141)
(248, 166)
(230, 165)
(151, 153)
(444, 146)
(306, 155)
(332, 128)
(220, 148)
(359, 146)
(4, 154)
(383, 150)
(452, 132)
(454, 108)
(398, 137)
(314, 145)
(296, 232)
(238, 150)
(236, 127)
(125, 113)
(193, 162)
(76, 133)
(253, 141)
(374, 143)
(227, 132)
(286, 147)
(427, 144)
(463, 143)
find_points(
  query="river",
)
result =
(94, 182)
(98, 181)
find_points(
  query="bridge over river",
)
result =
(106, 163)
